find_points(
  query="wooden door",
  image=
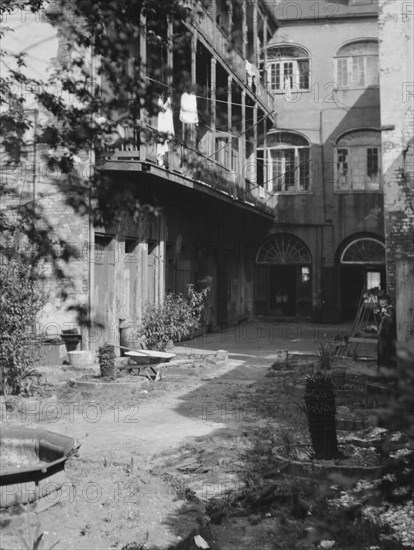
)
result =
(131, 287)
(152, 273)
(330, 295)
(222, 292)
(261, 290)
(104, 295)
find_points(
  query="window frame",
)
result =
(362, 2)
(349, 156)
(296, 76)
(353, 67)
(298, 173)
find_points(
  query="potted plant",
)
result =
(107, 361)
(320, 410)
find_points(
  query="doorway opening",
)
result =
(283, 281)
(362, 268)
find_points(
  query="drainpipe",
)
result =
(323, 162)
(326, 222)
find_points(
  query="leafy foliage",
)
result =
(34, 540)
(398, 417)
(324, 357)
(107, 361)
(21, 298)
(173, 320)
(96, 82)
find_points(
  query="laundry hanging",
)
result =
(165, 127)
(165, 117)
(288, 89)
(249, 73)
(188, 110)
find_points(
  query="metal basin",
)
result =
(32, 463)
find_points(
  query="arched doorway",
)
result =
(362, 264)
(283, 282)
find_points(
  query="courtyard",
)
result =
(201, 448)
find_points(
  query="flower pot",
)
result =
(128, 336)
(81, 359)
(72, 339)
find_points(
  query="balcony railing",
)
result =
(356, 179)
(189, 163)
(213, 34)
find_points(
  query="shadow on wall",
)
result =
(399, 241)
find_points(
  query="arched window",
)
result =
(282, 249)
(358, 161)
(288, 68)
(288, 161)
(357, 65)
(364, 251)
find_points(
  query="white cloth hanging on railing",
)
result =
(249, 73)
(188, 110)
(165, 117)
(166, 128)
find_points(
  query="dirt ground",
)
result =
(111, 497)
(156, 457)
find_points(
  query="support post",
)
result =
(161, 260)
(254, 174)
(143, 64)
(193, 57)
(265, 52)
(265, 153)
(170, 56)
(244, 29)
(255, 33)
(213, 105)
(230, 21)
(229, 113)
(243, 140)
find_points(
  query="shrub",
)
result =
(320, 409)
(107, 361)
(21, 299)
(174, 320)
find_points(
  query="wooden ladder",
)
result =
(365, 316)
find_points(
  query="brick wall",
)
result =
(396, 22)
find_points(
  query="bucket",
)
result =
(72, 339)
(128, 336)
(80, 359)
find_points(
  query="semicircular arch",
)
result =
(283, 249)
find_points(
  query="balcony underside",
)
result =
(192, 170)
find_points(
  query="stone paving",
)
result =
(259, 338)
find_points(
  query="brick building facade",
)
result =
(396, 23)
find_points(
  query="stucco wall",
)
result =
(322, 115)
